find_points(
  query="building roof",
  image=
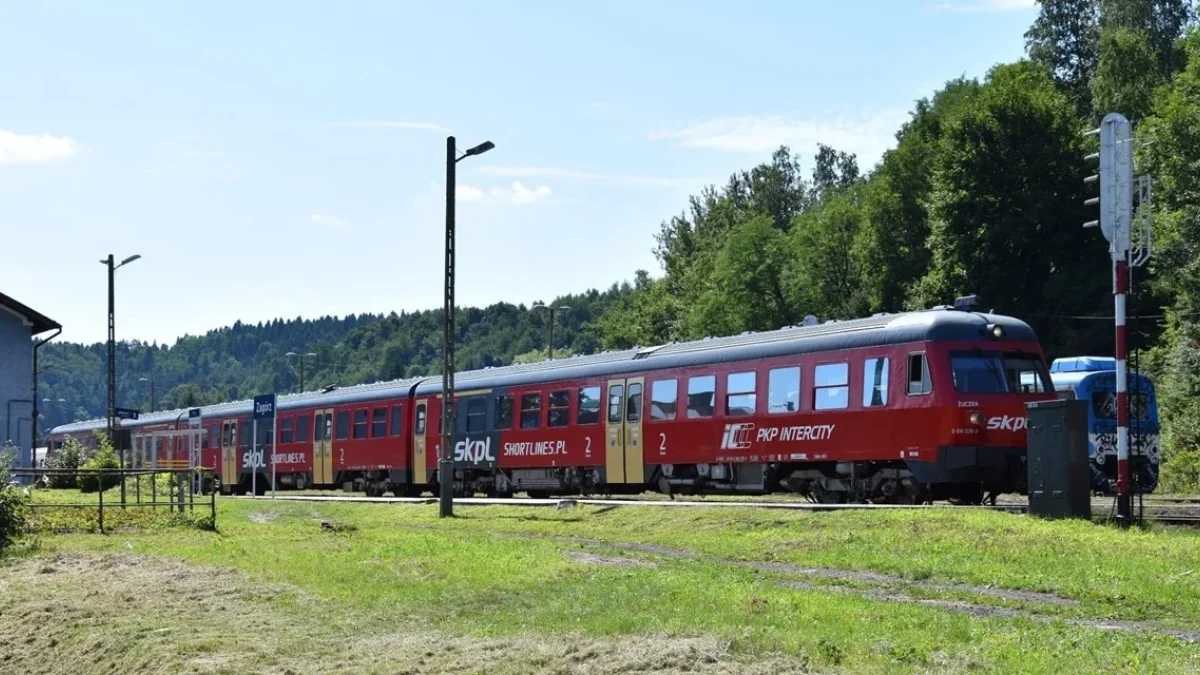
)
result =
(41, 323)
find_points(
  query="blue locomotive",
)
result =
(1094, 379)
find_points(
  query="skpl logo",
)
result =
(737, 436)
(1007, 423)
(474, 451)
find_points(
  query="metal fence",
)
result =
(187, 488)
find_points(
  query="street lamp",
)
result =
(112, 360)
(151, 382)
(309, 355)
(446, 448)
(550, 326)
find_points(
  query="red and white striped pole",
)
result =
(1120, 286)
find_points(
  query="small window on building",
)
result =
(420, 425)
(343, 425)
(832, 386)
(285, 431)
(531, 411)
(360, 423)
(918, 375)
(302, 429)
(664, 398)
(589, 406)
(740, 397)
(504, 412)
(702, 395)
(560, 409)
(875, 382)
(633, 405)
(397, 419)
(783, 390)
(379, 423)
(476, 415)
(616, 396)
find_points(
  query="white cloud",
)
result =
(388, 124)
(519, 194)
(981, 6)
(467, 193)
(867, 135)
(610, 180)
(34, 148)
(328, 221)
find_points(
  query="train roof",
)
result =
(940, 323)
(1083, 364)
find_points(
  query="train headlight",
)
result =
(996, 330)
(977, 418)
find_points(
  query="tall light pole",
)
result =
(309, 355)
(151, 381)
(112, 359)
(550, 327)
(446, 447)
(62, 411)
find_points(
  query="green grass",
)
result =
(506, 571)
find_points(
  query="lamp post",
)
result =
(309, 355)
(150, 380)
(550, 325)
(112, 360)
(446, 447)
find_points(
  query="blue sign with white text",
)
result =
(264, 407)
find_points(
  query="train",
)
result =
(1094, 379)
(895, 408)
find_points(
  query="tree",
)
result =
(745, 290)
(825, 272)
(1127, 74)
(1063, 40)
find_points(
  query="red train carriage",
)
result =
(906, 407)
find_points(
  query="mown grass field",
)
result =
(319, 587)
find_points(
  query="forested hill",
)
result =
(983, 193)
(244, 359)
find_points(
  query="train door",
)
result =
(420, 473)
(623, 461)
(229, 454)
(322, 453)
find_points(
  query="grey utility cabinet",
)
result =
(1059, 469)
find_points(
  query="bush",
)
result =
(104, 458)
(14, 511)
(1180, 472)
(68, 457)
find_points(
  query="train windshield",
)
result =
(1104, 405)
(980, 372)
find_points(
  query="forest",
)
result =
(983, 193)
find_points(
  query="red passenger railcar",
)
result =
(894, 408)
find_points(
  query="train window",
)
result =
(875, 382)
(504, 411)
(379, 423)
(633, 407)
(560, 408)
(343, 425)
(213, 437)
(420, 426)
(302, 429)
(1024, 373)
(616, 394)
(831, 383)
(740, 398)
(476, 415)
(265, 430)
(978, 372)
(531, 411)
(226, 435)
(588, 411)
(702, 394)
(664, 398)
(397, 416)
(783, 390)
(244, 441)
(360, 423)
(285, 431)
(918, 375)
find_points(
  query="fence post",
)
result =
(100, 484)
(213, 503)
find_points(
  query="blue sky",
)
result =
(275, 159)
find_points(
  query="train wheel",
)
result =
(968, 495)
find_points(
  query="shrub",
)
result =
(14, 511)
(68, 457)
(103, 458)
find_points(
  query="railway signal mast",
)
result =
(1128, 235)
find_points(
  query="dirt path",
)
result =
(82, 614)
